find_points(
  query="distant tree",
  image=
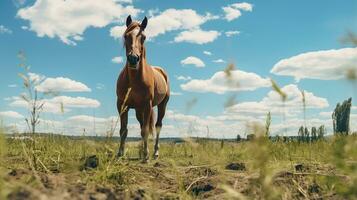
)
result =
(341, 117)
(313, 133)
(321, 132)
(301, 133)
(306, 135)
(238, 138)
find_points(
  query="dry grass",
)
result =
(194, 170)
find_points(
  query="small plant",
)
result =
(267, 124)
(31, 97)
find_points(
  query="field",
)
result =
(58, 167)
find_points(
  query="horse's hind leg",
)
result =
(160, 115)
(123, 129)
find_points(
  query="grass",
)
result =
(195, 169)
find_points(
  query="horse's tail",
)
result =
(151, 122)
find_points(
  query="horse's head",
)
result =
(134, 39)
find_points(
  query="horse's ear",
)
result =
(144, 23)
(128, 20)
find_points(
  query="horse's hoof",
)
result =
(145, 161)
(156, 156)
(120, 154)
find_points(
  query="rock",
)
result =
(91, 162)
(236, 166)
(314, 188)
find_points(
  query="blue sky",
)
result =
(297, 43)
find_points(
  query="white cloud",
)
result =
(12, 86)
(233, 11)
(221, 83)
(68, 20)
(117, 31)
(85, 119)
(218, 61)
(191, 60)
(208, 53)
(175, 93)
(36, 78)
(173, 19)
(74, 102)
(183, 78)
(4, 30)
(272, 102)
(243, 6)
(325, 65)
(61, 84)
(118, 59)
(231, 33)
(11, 114)
(54, 105)
(100, 86)
(197, 36)
(124, 1)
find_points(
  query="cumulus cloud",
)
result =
(191, 60)
(61, 84)
(11, 114)
(117, 31)
(12, 86)
(174, 19)
(68, 20)
(183, 78)
(324, 65)
(218, 61)
(233, 11)
(197, 36)
(118, 60)
(208, 53)
(272, 103)
(175, 93)
(171, 20)
(231, 33)
(58, 104)
(221, 83)
(4, 30)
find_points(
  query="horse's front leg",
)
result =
(145, 130)
(123, 129)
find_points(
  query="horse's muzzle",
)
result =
(133, 60)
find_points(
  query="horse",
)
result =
(140, 86)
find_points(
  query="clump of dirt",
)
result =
(236, 166)
(201, 187)
(17, 173)
(19, 194)
(138, 194)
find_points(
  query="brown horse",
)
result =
(140, 86)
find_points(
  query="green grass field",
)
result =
(53, 167)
